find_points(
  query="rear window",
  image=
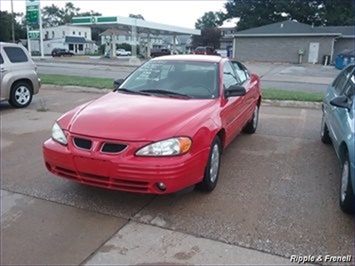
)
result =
(15, 54)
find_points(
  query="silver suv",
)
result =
(19, 79)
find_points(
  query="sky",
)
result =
(181, 13)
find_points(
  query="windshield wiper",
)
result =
(131, 91)
(169, 93)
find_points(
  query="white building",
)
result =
(76, 39)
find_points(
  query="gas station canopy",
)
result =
(141, 26)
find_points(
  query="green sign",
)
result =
(32, 12)
(93, 20)
(32, 17)
(33, 35)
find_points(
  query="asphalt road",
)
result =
(116, 72)
(277, 196)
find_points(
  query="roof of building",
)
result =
(73, 39)
(344, 30)
(286, 28)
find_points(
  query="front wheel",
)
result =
(346, 197)
(250, 128)
(21, 95)
(210, 178)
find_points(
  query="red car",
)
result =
(161, 130)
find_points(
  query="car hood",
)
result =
(135, 117)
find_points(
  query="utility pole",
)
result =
(13, 21)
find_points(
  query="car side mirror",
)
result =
(235, 90)
(341, 102)
(117, 83)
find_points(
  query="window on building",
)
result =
(63, 33)
(79, 33)
(71, 47)
(86, 35)
(81, 47)
(52, 34)
(47, 35)
(73, 32)
(15, 54)
(127, 37)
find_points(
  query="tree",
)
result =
(51, 16)
(255, 13)
(209, 37)
(6, 29)
(209, 20)
(91, 13)
(339, 13)
(68, 12)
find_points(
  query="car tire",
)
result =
(21, 95)
(251, 126)
(346, 193)
(324, 132)
(211, 175)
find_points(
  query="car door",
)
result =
(333, 113)
(252, 95)
(4, 72)
(342, 118)
(233, 108)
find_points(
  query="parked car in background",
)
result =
(205, 50)
(61, 52)
(123, 52)
(155, 52)
(222, 52)
(19, 79)
(161, 130)
(337, 127)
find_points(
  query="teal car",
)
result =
(337, 127)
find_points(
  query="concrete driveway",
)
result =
(277, 196)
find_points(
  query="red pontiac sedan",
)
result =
(162, 129)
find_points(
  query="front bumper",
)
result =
(124, 171)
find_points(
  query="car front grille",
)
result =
(81, 143)
(112, 147)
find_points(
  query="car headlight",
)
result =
(168, 147)
(58, 134)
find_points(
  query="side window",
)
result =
(241, 73)
(341, 79)
(229, 77)
(15, 54)
(1, 59)
(350, 86)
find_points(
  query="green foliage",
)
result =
(137, 16)
(255, 13)
(209, 20)
(6, 27)
(209, 37)
(55, 16)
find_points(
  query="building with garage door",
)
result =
(292, 42)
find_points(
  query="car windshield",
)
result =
(172, 78)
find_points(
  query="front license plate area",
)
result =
(92, 166)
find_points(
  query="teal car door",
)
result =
(338, 117)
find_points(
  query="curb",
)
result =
(125, 64)
(278, 103)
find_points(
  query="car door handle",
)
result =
(2, 70)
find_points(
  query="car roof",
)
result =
(9, 44)
(191, 57)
